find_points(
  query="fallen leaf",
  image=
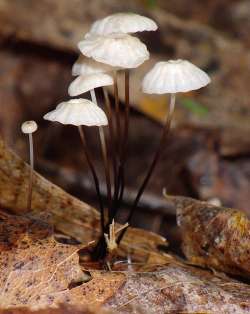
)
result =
(69, 215)
(179, 288)
(37, 272)
(213, 236)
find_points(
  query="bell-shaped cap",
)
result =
(117, 50)
(83, 84)
(29, 127)
(87, 66)
(78, 112)
(123, 23)
(174, 76)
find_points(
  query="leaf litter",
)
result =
(36, 271)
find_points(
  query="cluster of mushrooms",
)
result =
(108, 50)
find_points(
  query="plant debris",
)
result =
(37, 272)
(215, 237)
(69, 215)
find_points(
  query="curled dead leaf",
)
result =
(213, 236)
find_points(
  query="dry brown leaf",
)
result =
(216, 237)
(61, 310)
(69, 215)
(37, 272)
(179, 288)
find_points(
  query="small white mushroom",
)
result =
(174, 76)
(117, 50)
(78, 112)
(123, 23)
(82, 112)
(87, 66)
(29, 127)
(83, 84)
(171, 77)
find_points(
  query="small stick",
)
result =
(157, 155)
(29, 127)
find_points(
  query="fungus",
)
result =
(82, 112)
(118, 50)
(170, 77)
(123, 23)
(87, 66)
(29, 127)
(83, 84)
(174, 76)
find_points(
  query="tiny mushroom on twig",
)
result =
(170, 77)
(29, 127)
(82, 112)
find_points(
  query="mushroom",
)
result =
(170, 77)
(174, 76)
(82, 112)
(123, 23)
(123, 51)
(86, 66)
(84, 84)
(29, 127)
(118, 50)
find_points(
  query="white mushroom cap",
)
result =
(86, 66)
(174, 76)
(29, 127)
(78, 112)
(123, 23)
(118, 50)
(83, 84)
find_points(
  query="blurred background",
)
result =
(208, 154)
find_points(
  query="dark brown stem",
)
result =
(124, 141)
(117, 111)
(157, 156)
(125, 135)
(111, 141)
(106, 165)
(31, 149)
(104, 155)
(94, 174)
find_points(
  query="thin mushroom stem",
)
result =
(31, 151)
(117, 110)
(157, 156)
(121, 180)
(111, 134)
(94, 174)
(104, 156)
(125, 136)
